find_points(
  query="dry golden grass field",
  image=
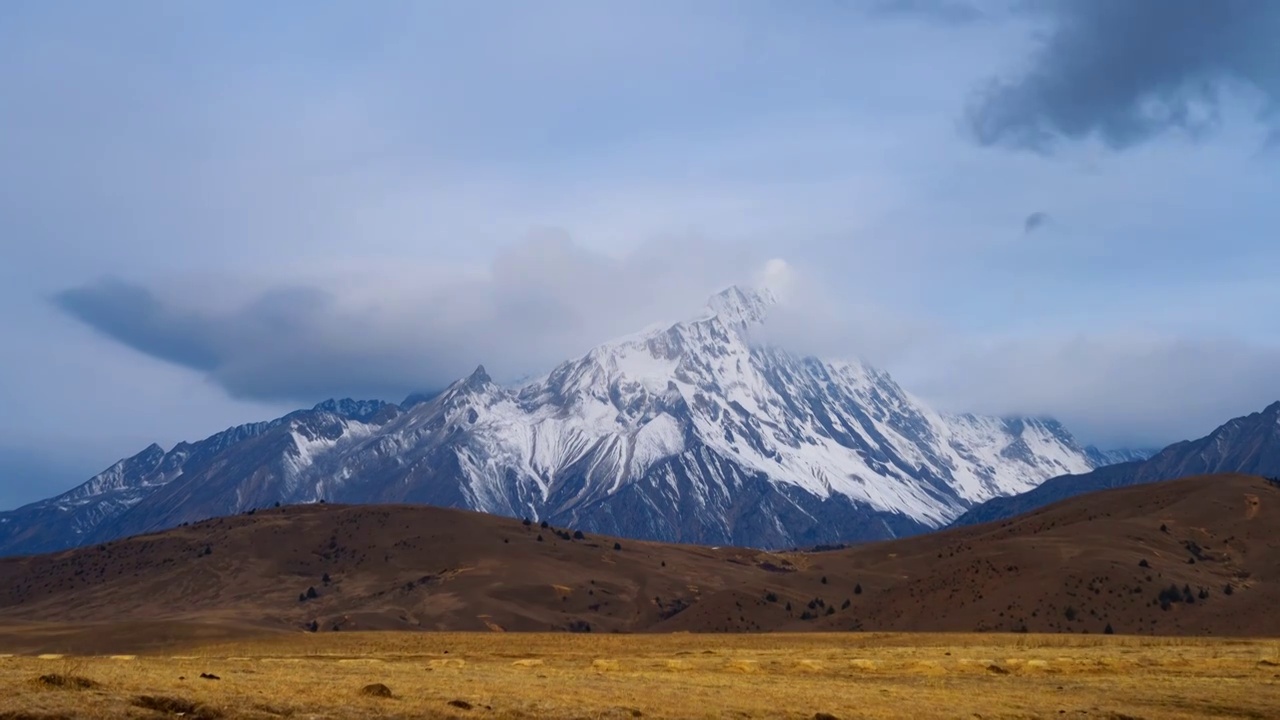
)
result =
(505, 675)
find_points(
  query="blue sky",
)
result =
(213, 213)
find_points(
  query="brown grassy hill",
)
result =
(1209, 544)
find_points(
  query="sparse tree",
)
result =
(1108, 630)
(617, 546)
(577, 535)
(857, 589)
(311, 593)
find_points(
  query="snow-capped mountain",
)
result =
(690, 432)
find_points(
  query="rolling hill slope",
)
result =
(1193, 556)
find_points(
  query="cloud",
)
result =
(1111, 388)
(386, 333)
(1126, 71)
(1035, 221)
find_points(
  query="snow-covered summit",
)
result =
(684, 432)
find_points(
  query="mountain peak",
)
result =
(478, 380)
(737, 305)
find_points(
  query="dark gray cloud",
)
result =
(1035, 221)
(1125, 71)
(950, 12)
(540, 302)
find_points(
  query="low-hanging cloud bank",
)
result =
(549, 299)
(389, 333)
(1125, 71)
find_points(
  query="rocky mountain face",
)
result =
(690, 433)
(1248, 445)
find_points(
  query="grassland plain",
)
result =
(510, 675)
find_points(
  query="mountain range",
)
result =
(692, 432)
(1249, 444)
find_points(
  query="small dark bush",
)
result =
(1143, 563)
(539, 537)
(771, 597)
(617, 546)
(857, 589)
(526, 522)
(806, 615)
(845, 605)
(577, 535)
(460, 704)
(325, 579)
(831, 611)
(1108, 630)
(544, 525)
(311, 593)
(376, 690)
(66, 682)
(823, 580)
(176, 706)
(302, 597)
(1164, 528)
(1070, 614)
(1228, 590)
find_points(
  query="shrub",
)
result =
(577, 535)
(325, 579)
(526, 522)
(539, 537)
(806, 615)
(617, 546)
(771, 597)
(788, 606)
(311, 593)
(1227, 590)
(302, 597)
(1164, 528)
(1143, 563)
(846, 604)
(1070, 613)
(544, 525)
(831, 611)
(824, 580)
(1108, 630)
(376, 690)
(857, 589)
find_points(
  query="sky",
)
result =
(214, 213)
